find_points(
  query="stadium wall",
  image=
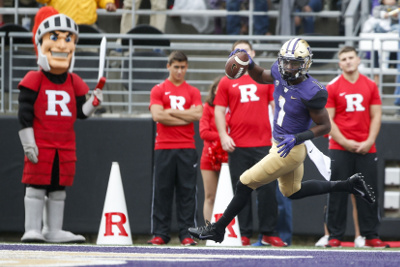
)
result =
(129, 141)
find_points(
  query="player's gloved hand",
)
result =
(88, 108)
(287, 143)
(251, 62)
(28, 142)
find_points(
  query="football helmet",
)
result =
(294, 59)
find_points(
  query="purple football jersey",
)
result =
(291, 102)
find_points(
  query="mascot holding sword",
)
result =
(50, 101)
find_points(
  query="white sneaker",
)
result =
(323, 241)
(359, 242)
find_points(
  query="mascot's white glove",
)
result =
(88, 108)
(28, 142)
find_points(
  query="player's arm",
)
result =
(227, 142)
(322, 122)
(260, 75)
(190, 115)
(257, 73)
(319, 114)
(162, 115)
(375, 112)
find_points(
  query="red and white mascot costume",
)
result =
(50, 101)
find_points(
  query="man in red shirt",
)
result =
(248, 140)
(174, 106)
(355, 109)
(50, 101)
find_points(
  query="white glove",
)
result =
(28, 142)
(88, 107)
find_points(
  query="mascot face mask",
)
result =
(55, 38)
(58, 47)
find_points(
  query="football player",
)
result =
(299, 100)
(50, 100)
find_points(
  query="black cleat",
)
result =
(208, 232)
(360, 188)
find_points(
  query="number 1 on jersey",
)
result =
(281, 113)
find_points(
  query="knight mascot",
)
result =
(50, 101)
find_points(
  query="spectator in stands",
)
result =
(81, 11)
(50, 100)
(285, 22)
(213, 155)
(381, 22)
(174, 106)
(355, 110)
(248, 141)
(157, 20)
(218, 21)
(308, 22)
(384, 18)
(234, 23)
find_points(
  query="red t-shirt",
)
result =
(182, 97)
(207, 128)
(247, 102)
(352, 107)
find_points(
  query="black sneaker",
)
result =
(361, 189)
(208, 232)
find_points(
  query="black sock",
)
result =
(312, 188)
(239, 200)
(341, 186)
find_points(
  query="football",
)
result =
(237, 65)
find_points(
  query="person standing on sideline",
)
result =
(359, 241)
(174, 106)
(213, 155)
(355, 110)
(299, 100)
(248, 141)
(50, 101)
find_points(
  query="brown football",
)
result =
(237, 65)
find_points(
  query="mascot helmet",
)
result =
(46, 20)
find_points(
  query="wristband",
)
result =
(303, 136)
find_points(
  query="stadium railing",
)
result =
(207, 56)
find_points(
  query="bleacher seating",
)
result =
(383, 43)
(207, 56)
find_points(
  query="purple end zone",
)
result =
(221, 257)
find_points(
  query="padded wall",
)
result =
(129, 141)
